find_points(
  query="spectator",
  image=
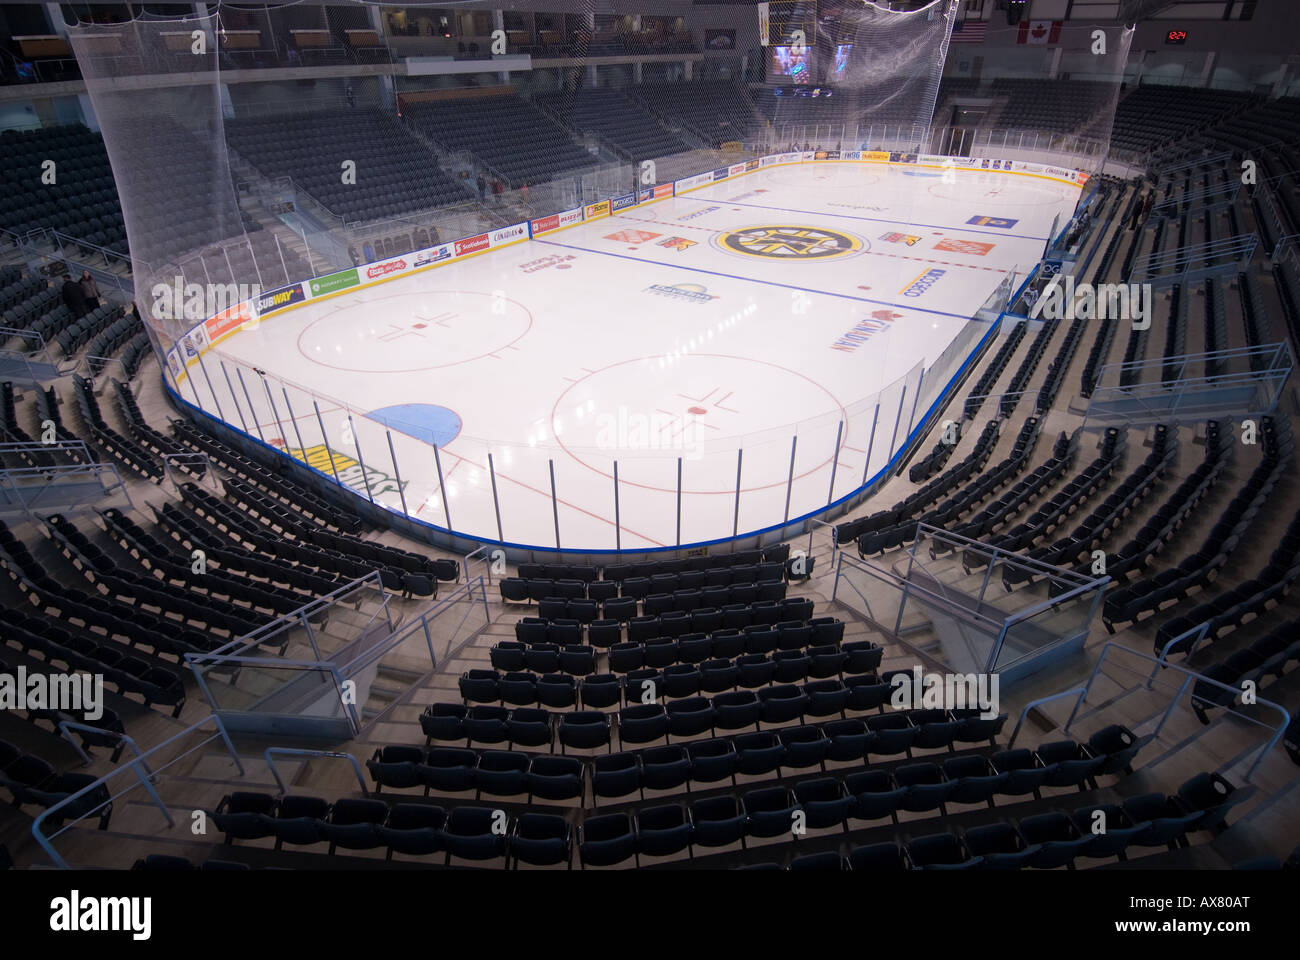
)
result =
(482, 187)
(73, 296)
(497, 188)
(352, 100)
(1136, 219)
(352, 252)
(90, 290)
(523, 192)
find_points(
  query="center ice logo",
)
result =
(789, 242)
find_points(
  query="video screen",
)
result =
(792, 63)
(841, 60)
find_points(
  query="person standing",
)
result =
(523, 192)
(482, 187)
(90, 290)
(73, 296)
(1138, 207)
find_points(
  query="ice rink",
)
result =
(798, 301)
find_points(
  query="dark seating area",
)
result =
(845, 816)
(81, 203)
(1152, 115)
(714, 112)
(618, 121)
(505, 134)
(1059, 106)
(395, 173)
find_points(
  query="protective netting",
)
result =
(244, 178)
(866, 64)
(155, 90)
(1052, 99)
(272, 182)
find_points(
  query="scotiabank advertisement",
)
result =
(472, 244)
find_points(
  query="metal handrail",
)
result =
(1197, 162)
(1290, 238)
(296, 752)
(1081, 691)
(1200, 632)
(67, 726)
(882, 574)
(307, 610)
(1235, 248)
(209, 473)
(1189, 677)
(487, 562)
(1272, 349)
(58, 446)
(1227, 191)
(134, 765)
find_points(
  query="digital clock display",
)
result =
(1176, 36)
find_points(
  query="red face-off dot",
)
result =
(697, 411)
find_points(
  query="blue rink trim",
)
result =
(769, 283)
(846, 216)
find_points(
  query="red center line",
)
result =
(878, 253)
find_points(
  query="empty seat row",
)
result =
(673, 623)
(673, 680)
(891, 732)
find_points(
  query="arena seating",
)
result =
(664, 711)
(81, 203)
(396, 174)
(614, 118)
(713, 112)
(505, 134)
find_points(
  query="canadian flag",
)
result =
(1039, 31)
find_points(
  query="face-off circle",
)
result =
(830, 177)
(647, 411)
(428, 330)
(995, 191)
